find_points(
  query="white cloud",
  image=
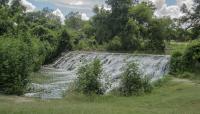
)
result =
(58, 13)
(172, 11)
(188, 3)
(105, 7)
(86, 6)
(71, 2)
(29, 6)
(159, 3)
(84, 17)
(76, 3)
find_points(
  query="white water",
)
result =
(63, 71)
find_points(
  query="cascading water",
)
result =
(64, 70)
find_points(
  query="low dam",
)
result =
(63, 71)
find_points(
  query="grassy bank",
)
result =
(176, 47)
(178, 96)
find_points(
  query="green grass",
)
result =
(194, 76)
(176, 47)
(177, 96)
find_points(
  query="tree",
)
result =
(130, 36)
(43, 17)
(3, 3)
(44, 34)
(6, 24)
(100, 22)
(17, 7)
(142, 12)
(157, 34)
(64, 42)
(119, 16)
(73, 20)
(193, 18)
(15, 62)
(27, 41)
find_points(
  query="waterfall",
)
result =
(63, 71)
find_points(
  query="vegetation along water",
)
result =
(126, 58)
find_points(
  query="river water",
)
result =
(63, 71)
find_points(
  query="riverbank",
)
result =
(177, 96)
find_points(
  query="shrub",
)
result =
(176, 63)
(87, 44)
(133, 83)
(65, 42)
(39, 52)
(191, 57)
(15, 62)
(115, 44)
(88, 81)
(187, 65)
(189, 61)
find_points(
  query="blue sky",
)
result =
(66, 7)
(164, 7)
(171, 2)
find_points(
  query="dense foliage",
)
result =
(176, 64)
(191, 57)
(133, 82)
(189, 61)
(129, 27)
(27, 40)
(14, 65)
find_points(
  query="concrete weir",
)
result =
(63, 70)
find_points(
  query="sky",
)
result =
(62, 7)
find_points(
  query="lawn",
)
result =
(178, 96)
(176, 47)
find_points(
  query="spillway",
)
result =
(63, 71)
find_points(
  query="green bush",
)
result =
(15, 62)
(49, 40)
(187, 65)
(115, 44)
(65, 43)
(157, 33)
(86, 44)
(189, 61)
(39, 53)
(88, 81)
(176, 63)
(191, 57)
(133, 83)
